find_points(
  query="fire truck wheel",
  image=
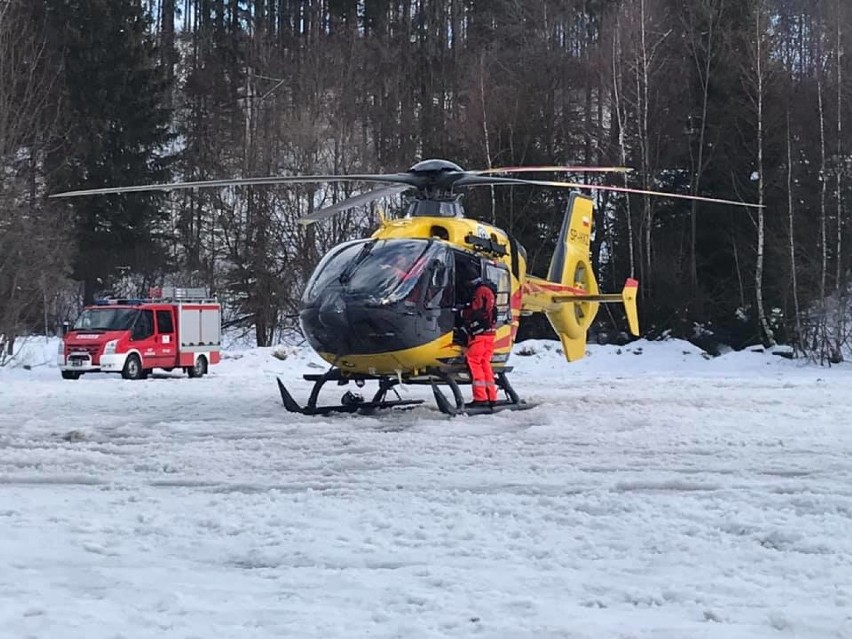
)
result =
(199, 369)
(132, 368)
(70, 375)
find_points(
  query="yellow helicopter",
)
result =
(385, 308)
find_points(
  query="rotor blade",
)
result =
(393, 178)
(350, 203)
(476, 180)
(554, 169)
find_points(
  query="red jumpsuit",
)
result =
(479, 320)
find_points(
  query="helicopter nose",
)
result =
(330, 324)
(340, 324)
(332, 313)
(336, 325)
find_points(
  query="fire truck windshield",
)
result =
(106, 319)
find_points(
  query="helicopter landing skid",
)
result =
(350, 402)
(512, 401)
(355, 403)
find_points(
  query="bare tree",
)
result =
(621, 114)
(646, 65)
(32, 249)
(755, 83)
(701, 20)
(823, 181)
(791, 226)
(838, 169)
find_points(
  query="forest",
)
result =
(747, 100)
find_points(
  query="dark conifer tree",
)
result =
(115, 132)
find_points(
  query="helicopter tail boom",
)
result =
(627, 297)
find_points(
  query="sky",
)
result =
(653, 492)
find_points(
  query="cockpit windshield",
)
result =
(106, 319)
(384, 269)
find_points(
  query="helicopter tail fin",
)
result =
(570, 267)
(569, 296)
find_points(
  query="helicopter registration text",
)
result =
(576, 236)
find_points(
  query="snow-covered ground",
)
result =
(652, 493)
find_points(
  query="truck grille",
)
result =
(90, 350)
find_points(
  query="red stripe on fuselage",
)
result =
(532, 288)
(503, 342)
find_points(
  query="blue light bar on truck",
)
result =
(114, 301)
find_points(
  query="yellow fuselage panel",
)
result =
(414, 361)
(453, 230)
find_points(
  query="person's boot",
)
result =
(477, 403)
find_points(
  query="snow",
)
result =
(653, 493)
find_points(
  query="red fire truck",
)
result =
(174, 328)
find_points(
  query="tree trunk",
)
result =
(823, 186)
(704, 69)
(798, 338)
(643, 75)
(840, 278)
(620, 113)
(768, 334)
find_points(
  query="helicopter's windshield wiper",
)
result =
(346, 274)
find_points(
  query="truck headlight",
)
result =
(109, 347)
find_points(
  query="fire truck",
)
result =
(173, 328)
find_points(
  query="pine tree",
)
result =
(115, 133)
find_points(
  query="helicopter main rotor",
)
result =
(433, 181)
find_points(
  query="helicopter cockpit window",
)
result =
(388, 270)
(332, 266)
(392, 269)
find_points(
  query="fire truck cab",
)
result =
(174, 328)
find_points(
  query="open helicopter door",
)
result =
(435, 316)
(498, 275)
(494, 273)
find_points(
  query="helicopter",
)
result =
(385, 308)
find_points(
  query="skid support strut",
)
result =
(511, 401)
(350, 402)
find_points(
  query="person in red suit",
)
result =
(479, 321)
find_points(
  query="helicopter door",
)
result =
(465, 264)
(498, 274)
(438, 287)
